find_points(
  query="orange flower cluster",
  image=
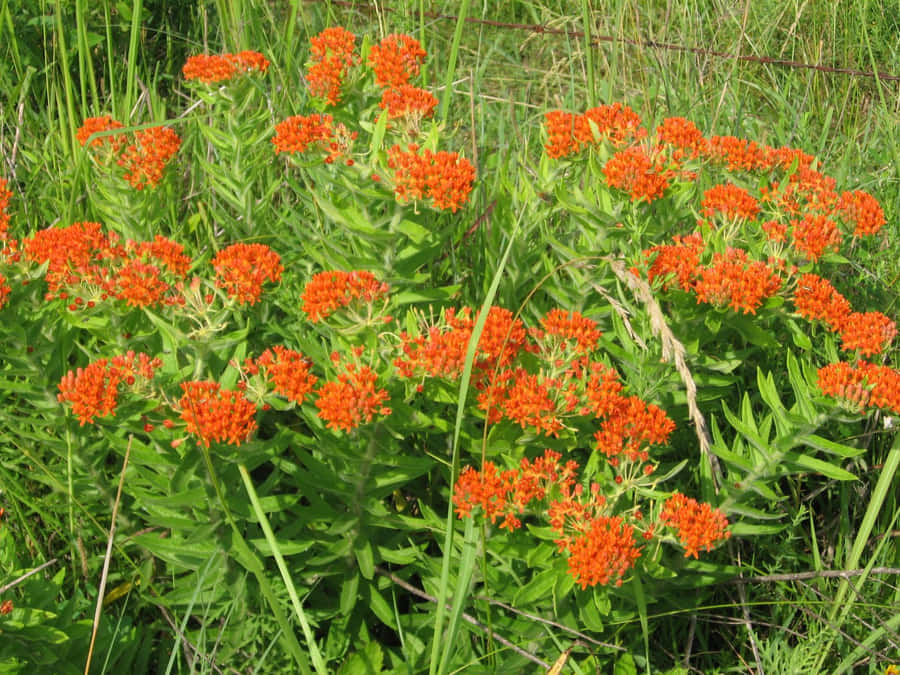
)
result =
(74, 254)
(93, 391)
(814, 235)
(680, 260)
(533, 400)
(736, 153)
(408, 102)
(865, 385)
(395, 60)
(215, 414)
(145, 161)
(441, 351)
(569, 133)
(603, 553)
(629, 427)
(332, 290)
(816, 299)
(682, 136)
(298, 133)
(868, 332)
(699, 526)
(242, 269)
(84, 262)
(5, 196)
(332, 55)
(632, 170)
(601, 549)
(287, 370)
(6, 607)
(93, 125)
(862, 211)
(212, 68)
(734, 280)
(5, 290)
(443, 177)
(353, 400)
(729, 200)
(507, 494)
(560, 328)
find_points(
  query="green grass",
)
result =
(63, 61)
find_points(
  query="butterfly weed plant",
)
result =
(280, 359)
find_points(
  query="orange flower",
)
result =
(145, 162)
(842, 381)
(698, 525)
(684, 137)
(208, 68)
(603, 553)
(6, 607)
(861, 210)
(242, 269)
(165, 251)
(869, 332)
(616, 123)
(249, 61)
(784, 158)
(735, 153)
(443, 177)
(731, 279)
(5, 290)
(353, 400)
(730, 201)
(93, 391)
(814, 235)
(395, 60)
(5, 196)
(94, 125)
(442, 352)
(508, 493)
(815, 298)
(560, 129)
(139, 284)
(408, 102)
(865, 385)
(775, 232)
(332, 56)
(332, 290)
(487, 488)
(212, 68)
(299, 133)
(602, 390)
(885, 386)
(288, 371)
(629, 427)
(566, 327)
(73, 254)
(680, 259)
(215, 414)
(529, 402)
(632, 170)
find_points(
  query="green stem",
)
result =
(317, 660)
(253, 564)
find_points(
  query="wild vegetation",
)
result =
(403, 338)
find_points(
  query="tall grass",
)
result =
(63, 61)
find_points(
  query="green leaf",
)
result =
(805, 462)
(349, 591)
(538, 588)
(362, 549)
(625, 665)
